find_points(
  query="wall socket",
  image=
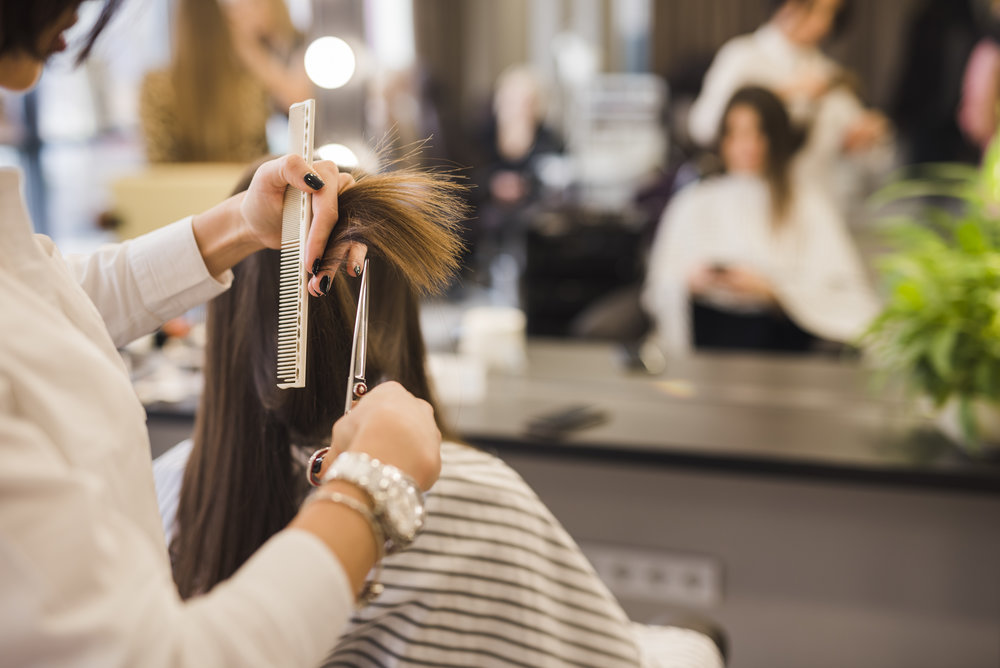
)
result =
(657, 575)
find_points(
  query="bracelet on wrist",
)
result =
(372, 587)
(397, 502)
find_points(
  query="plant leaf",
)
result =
(967, 418)
(941, 348)
(970, 237)
(913, 189)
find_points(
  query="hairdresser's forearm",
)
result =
(345, 532)
(222, 236)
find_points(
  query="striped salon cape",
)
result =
(492, 580)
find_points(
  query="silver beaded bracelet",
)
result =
(372, 587)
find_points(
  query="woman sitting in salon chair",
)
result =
(752, 259)
(493, 579)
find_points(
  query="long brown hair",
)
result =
(217, 100)
(783, 142)
(240, 485)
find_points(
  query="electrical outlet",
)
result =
(658, 575)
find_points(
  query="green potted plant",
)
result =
(940, 328)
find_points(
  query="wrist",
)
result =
(395, 499)
(223, 237)
(340, 514)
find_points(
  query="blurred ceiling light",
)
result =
(577, 60)
(330, 62)
(338, 153)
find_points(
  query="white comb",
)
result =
(293, 299)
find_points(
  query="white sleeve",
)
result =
(673, 254)
(725, 76)
(168, 476)
(139, 284)
(831, 296)
(838, 110)
(673, 647)
(84, 586)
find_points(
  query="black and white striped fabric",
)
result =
(492, 580)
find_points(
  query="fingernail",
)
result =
(357, 270)
(316, 266)
(324, 284)
(313, 181)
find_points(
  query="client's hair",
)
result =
(240, 485)
(783, 141)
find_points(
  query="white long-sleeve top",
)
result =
(810, 261)
(84, 574)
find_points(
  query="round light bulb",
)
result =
(338, 153)
(330, 62)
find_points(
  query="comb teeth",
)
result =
(293, 299)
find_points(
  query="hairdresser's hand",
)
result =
(261, 210)
(809, 85)
(869, 129)
(395, 427)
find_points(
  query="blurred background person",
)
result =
(234, 64)
(784, 56)
(403, 111)
(752, 259)
(511, 142)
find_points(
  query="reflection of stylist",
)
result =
(84, 573)
(233, 63)
(784, 56)
(750, 259)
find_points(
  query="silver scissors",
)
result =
(357, 387)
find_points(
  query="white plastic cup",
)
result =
(495, 335)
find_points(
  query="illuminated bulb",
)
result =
(338, 153)
(330, 62)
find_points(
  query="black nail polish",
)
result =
(317, 465)
(313, 181)
(317, 265)
(324, 284)
(357, 270)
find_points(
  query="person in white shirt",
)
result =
(85, 579)
(752, 259)
(784, 56)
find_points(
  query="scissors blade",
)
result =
(356, 384)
